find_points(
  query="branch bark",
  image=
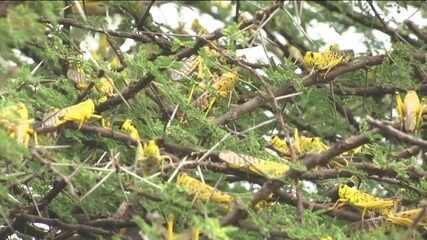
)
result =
(390, 131)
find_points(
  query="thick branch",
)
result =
(416, 30)
(140, 36)
(390, 131)
(334, 212)
(52, 222)
(323, 158)
(58, 186)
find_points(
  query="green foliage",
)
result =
(10, 150)
(234, 36)
(212, 228)
(23, 25)
(396, 67)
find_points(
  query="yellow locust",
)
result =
(270, 169)
(152, 160)
(325, 61)
(224, 85)
(410, 111)
(203, 191)
(364, 201)
(147, 157)
(407, 217)
(130, 129)
(14, 118)
(78, 113)
(301, 144)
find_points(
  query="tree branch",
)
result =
(58, 186)
(416, 30)
(390, 131)
(52, 222)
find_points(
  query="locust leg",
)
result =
(36, 141)
(162, 162)
(338, 204)
(190, 96)
(210, 106)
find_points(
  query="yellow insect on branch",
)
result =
(105, 87)
(203, 191)
(152, 160)
(147, 157)
(364, 201)
(79, 114)
(385, 207)
(406, 218)
(130, 129)
(301, 144)
(328, 59)
(410, 111)
(152, 150)
(226, 83)
(15, 119)
(223, 85)
(254, 165)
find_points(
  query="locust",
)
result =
(78, 113)
(364, 201)
(410, 111)
(301, 144)
(406, 218)
(203, 191)
(325, 61)
(15, 119)
(223, 85)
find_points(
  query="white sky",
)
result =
(168, 14)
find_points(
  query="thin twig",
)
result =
(300, 205)
(141, 21)
(118, 52)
